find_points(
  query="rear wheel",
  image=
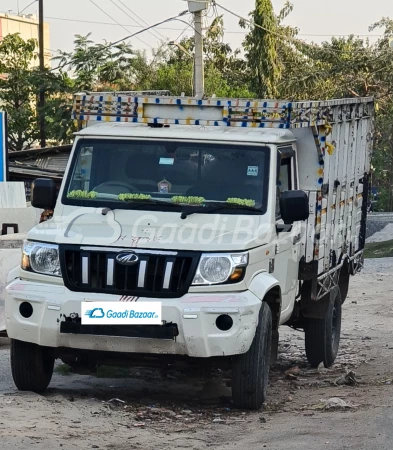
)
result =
(31, 366)
(250, 371)
(343, 283)
(322, 336)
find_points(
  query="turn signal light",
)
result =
(237, 274)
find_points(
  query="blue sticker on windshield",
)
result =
(167, 161)
(252, 171)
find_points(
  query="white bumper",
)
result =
(194, 314)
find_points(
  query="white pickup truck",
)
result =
(194, 228)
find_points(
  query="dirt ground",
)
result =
(347, 407)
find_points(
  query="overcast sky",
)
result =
(314, 19)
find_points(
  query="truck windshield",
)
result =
(143, 174)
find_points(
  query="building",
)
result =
(27, 165)
(27, 27)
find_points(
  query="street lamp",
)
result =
(24, 9)
(185, 51)
(180, 47)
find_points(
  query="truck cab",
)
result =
(170, 240)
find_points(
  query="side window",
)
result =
(284, 182)
(82, 170)
(287, 175)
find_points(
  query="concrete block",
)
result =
(10, 241)
(26, 218)
(12, 194)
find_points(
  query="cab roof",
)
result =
(187, 132)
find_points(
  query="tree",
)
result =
(17, 96)
(226, 73)
(261, 50)
(277, 64)
(20, 83)
(98, 66)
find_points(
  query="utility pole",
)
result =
(41, 101)
(196, 8)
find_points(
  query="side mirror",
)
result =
(43, 193)
(294, 206)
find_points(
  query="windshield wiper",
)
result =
(138, 204)
(216, 207)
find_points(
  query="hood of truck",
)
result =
(154, 230)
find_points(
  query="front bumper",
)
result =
(194, 314)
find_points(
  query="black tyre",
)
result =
(322, 336)
(31, 366)
(250, 371)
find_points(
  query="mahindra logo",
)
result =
(127, 259)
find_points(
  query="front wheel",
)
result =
(322, 336)
(31, 366)
(250, 371)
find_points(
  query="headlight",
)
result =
(220, 268)
(41, 258)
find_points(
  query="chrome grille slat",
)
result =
(167, 275)
(110, 271)
(142, 274)
(156, 274)
(85, 269)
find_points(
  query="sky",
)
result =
(317, 21)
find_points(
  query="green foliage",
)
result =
(197, 201)
(241, 202)
(133, 197)
(63, 369)
(20, 83)
(261, 50)
(379, 249)
(98, 65)
(17, 93)
(276, 64)
(82, 195)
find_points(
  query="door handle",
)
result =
(280, 228)
(297, 238)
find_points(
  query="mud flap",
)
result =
(312, 309)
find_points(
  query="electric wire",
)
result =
(96, 22)
(141, 19)
(111, 44)
(118, 23)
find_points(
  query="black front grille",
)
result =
(165, 332)
(154, 275)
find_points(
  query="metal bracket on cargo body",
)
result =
(330, 279)
(327, 282)
(356, 262)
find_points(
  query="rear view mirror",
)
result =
(43, 193)
(294, 206)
